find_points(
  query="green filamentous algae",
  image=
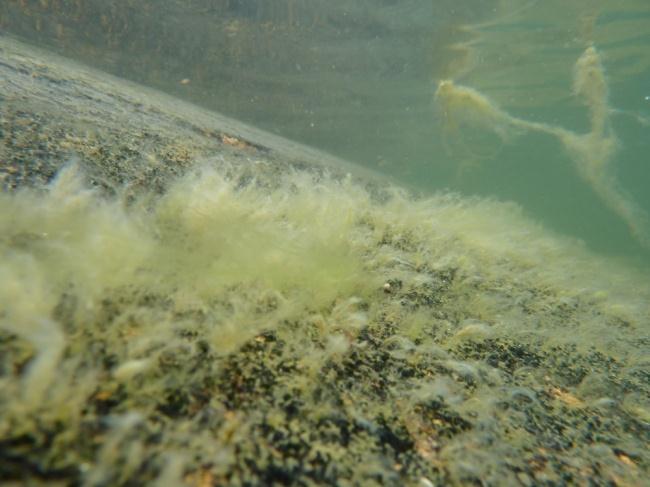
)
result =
(188, 300)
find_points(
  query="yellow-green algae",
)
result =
(302, 330)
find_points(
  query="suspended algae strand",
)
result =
(463, 104)
(591, 152)
(589, 83)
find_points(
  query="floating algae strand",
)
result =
(592, 152)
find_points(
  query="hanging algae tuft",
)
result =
(592, 152)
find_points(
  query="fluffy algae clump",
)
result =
(304, 328)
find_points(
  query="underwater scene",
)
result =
(308, 242)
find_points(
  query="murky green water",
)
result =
(357, 78)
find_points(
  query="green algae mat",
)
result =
(185, 300)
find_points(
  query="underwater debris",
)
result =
(592, 152)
